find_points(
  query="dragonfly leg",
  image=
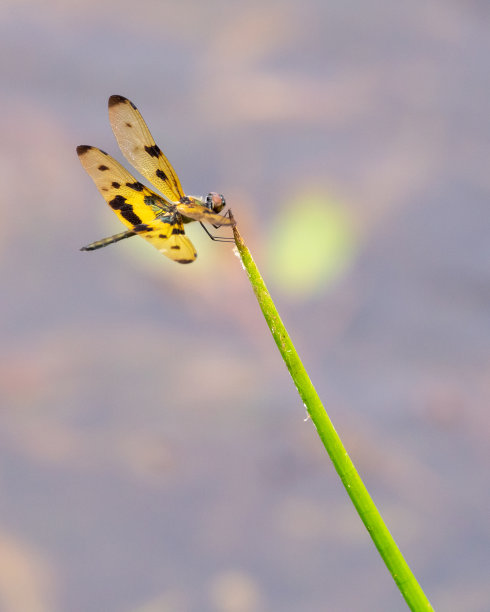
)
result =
(216, 238)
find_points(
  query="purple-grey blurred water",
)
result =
(153, 454)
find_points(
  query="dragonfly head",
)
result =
(215, 202)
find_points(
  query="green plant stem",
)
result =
(370, 516)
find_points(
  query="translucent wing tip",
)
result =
(116, 100)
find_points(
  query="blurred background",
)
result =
(154, 453)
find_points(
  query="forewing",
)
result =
(124, 194)
(168, 237)
(139, 148)
(198, 212)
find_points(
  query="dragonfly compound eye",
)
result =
(215, 201)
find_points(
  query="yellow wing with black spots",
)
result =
(127, 197)
(139, 208)
(139, 148)
(169, 239)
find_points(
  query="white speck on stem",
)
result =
(307, 417)
(237, 253)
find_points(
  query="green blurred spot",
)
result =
(312, 244)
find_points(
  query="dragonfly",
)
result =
(160, 217)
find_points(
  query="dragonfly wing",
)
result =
(167, 235)
(139, 148)
(132, 202)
